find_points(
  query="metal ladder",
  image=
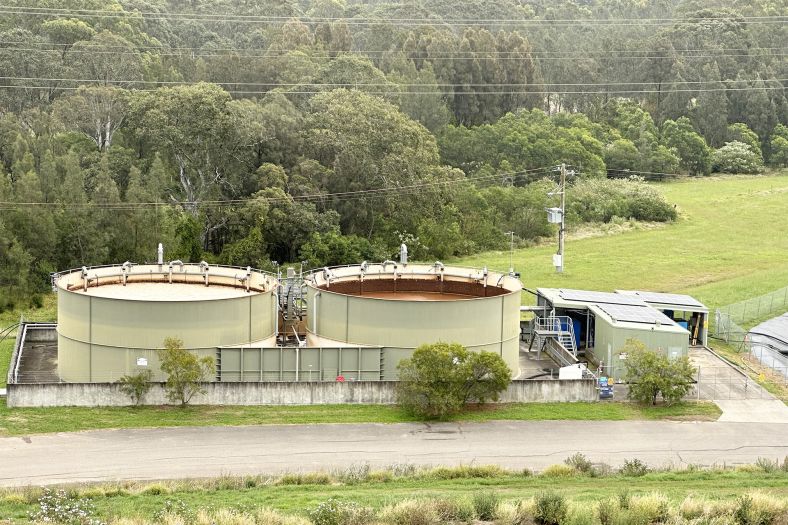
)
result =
(559, 328)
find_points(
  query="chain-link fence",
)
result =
(729, 319)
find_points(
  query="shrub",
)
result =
(185, 371)
(310, 478)
(155, 489)
(520, 513)
(336, 512)
(59, 507)
(456, 511)
(551, 508)
(651, 374)
(634, 468)
(651, 508)
(464, 472)
(600, 200)
(411, 512)
(580, 463)
(758, 509)
(607, 511)
(737, 157)
(136, 385)
(767, 465)
(353, 474)
(624, 499)
(692, 508)
(558, 471)
(441, 378)
(14, 499)
(484, 503)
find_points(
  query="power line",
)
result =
(455, 93)
(88, 45)
(317, 197)
(368, 21)
(373, 84)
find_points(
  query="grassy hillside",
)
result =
(727, 246)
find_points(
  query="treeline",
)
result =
(330, 132)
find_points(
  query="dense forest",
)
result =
(329, 131)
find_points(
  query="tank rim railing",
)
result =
(476, 274)
(125, 272)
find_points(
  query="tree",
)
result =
(695, 155)
(136, 385)
(441, 378)
(651, 374)
(737, 157)
(185, 371)
(779, 146)
(97, 111)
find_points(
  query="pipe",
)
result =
(85, 277)
(276, 315)
(314, 313)
(484, 272)
(403, 254)
(125, 268)
(327, 276)
(160, 254)
(387, 262)
(248, 278)
(173, 263)
(204, 269)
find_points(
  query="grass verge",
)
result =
(24, 421)
(298, 493)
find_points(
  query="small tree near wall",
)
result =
(651, 375)
(136, 385)
(441, 378)
(185, 371)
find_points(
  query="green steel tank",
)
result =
(112, 320)
(399, 307)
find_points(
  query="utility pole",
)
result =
(511, 253)
(559, 268)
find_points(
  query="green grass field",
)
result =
(727, 246)
(144, 500)
(24, 421)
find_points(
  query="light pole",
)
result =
(511, 252)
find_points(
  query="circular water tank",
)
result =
(112, 320)
(400, 307)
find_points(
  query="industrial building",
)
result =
(349, 324)
(569, 324)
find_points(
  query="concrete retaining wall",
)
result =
(276, 393)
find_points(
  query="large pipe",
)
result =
(314, 313)
(160, 254)
(403, 254)
(204, 269)
(85, 277)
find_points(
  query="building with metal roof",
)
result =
(597, 326)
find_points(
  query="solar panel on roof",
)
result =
(600, 297)
(670, 298)
(635, 314)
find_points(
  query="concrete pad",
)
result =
(753, 410)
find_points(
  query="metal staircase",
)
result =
(555, 335)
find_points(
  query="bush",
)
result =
(411, 512)
(759, 509)
(440, 379)
(155, 489)
(651, 508)
(455, 511)
(136, 385)
(634, 468)
(485, 503)
(607, 511)
(185, 371)
(551, 508)
(580, 463)
(336, 512)
(767, 465)
(558, 471)
(651, 374)
(600, 200)
(692, 508)
(737, 157)
(59, 507)
(311, 478)
(520, 513)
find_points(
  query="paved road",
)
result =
(202, 452)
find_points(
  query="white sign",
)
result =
(142, 361)
(623, 356)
